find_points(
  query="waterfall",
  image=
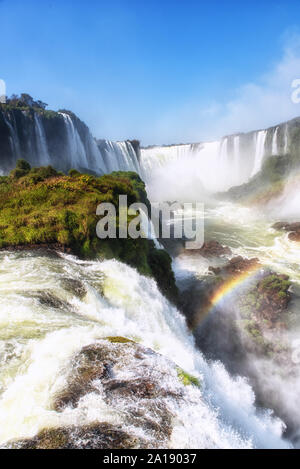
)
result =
(119, 156)
(14, 138)
(96, 160)
(117, 302)
(76, 151)
(286, 139)
(41, 143)
(260, 139)
(154, 157)
(224, 153)
(102, 157)
(206, 166)
(275, 142)
(236, 159)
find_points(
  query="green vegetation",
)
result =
(40, 206)
(265, 185)
(186, 378)
(276, 284)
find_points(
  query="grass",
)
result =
(41, 206)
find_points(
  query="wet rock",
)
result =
(74, 286)
(211, 249)
(94, 436)
(292, 228)
(47, 298)
(141, 388)
(280, 225)
(294, 236)
(126, 376)
(238, 265)
(235, 266)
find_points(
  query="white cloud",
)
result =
(255, 105)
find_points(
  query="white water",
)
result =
(77, 153)
(119, 156)
(38, 342)
(259, 150)
(236, 161)
(41, 142)
(275, 142)
(208, 167)
(286, 139)
(14, 138)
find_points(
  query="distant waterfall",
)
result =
(62, 141)
(174, 172)
(259, 150)
(236, 159)
(286, 139)
(224, 153)
(77, 154)
(159, 156)
(14, 138)
(119, 156)
(275, 142)
(41, 142)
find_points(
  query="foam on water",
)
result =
(220, 414)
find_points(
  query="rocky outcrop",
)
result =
(236, 266)
(134, 382)
(210, 249)
(292, 228)
(268, 300)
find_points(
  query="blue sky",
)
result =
(161, 71)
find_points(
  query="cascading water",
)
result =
(158, 157)
(207, 166)
(77, 154)
(14, 138)
(275, 142)
(260, 139)
(236, 160)
(41, 143)
(286, 139)
(63, 142)
(39, 339)
(119, 156)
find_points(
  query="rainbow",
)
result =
(229, 286)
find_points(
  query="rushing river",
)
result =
(52, 306)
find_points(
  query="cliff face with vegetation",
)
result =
(40, 207)
(28, 130)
